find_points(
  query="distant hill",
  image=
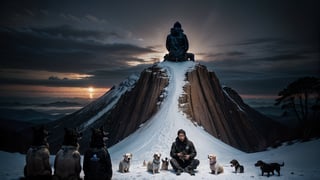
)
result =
(27, 115)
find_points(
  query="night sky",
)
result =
(255, 47)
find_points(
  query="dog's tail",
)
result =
(282, 164)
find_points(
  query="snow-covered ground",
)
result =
(301, 159)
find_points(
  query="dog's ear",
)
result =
(131, 154)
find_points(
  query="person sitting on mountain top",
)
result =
(183, 154)
(177, 44)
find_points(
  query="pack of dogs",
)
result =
(67, 163)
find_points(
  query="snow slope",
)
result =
(112, 98)
(158, 133)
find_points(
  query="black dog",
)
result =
(269, 167)
(238, 168)
(97, 163)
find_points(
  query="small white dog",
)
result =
(124, 165)
(214, 166)
(154, 165)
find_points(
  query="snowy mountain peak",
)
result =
(128, 84)
(144, 113)
(158, 133)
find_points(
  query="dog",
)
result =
(97, 161)
(124, 165)
(37, 158)
(214, 166)
(238, 168)
(67, 162)
(154, 166)
(268, 168)
(144, 164)
(165, 164)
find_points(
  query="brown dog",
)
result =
(37, 160)
(238, 168)
(269, 168)
(165, 164)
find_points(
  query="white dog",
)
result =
(214, 166)
(154, 165)
(124, 165)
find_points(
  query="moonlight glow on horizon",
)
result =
(68, 50)
(90, 89)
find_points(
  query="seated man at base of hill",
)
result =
(177, 44)
(183, 155)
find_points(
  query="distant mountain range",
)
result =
(53, 104)
(28, 115)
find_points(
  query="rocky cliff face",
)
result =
(223, 114)
(137, 106)
(121, 110)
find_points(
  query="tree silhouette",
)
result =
(302, 97)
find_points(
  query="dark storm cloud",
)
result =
(265, 65)
(253, 46)
(56, 49)
(223, 54)
(67, 31)
(99, 78)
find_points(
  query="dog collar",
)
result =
(213, 162)
(156, 162)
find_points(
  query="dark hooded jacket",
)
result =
(186, 147)
(97, 164)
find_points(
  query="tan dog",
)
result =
(154, 166)
(37, 159)
(214, 166)
(124, 165)
(67, 162)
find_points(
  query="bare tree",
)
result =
(302, 97)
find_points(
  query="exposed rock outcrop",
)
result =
(121, 110)
(124, 108)
(223, 114)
